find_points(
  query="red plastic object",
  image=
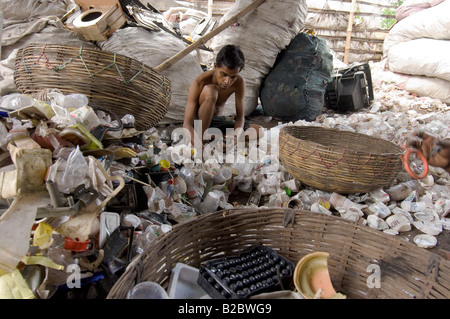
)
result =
(405, 158)
(75, 245)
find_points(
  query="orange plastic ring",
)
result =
(405, 158)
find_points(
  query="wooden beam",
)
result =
(349, 31)
(202, 40)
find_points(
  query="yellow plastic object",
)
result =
(41, 260)
(164, 164)
(312, 279)
(15, 228)
(81, 136)
(43, 236)
(13, 286)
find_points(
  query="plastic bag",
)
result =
(71, 173)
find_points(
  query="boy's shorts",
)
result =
(222, 124)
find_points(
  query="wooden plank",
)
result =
(344, 12)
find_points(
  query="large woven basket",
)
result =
(118, 83)
(405, 270)
(338, 161)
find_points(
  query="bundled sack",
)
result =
(153, 48)
(261, 35)
(409, 7)
(427, 57)
(294, 89)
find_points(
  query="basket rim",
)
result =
(175, 244)
(111, 80)
(338, 150)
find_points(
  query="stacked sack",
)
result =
(417, 47)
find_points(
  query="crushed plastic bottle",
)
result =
(401, 191)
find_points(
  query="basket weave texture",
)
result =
(405, 270)
(118, 83)
(338, 161)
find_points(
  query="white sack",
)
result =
(153, 48)
(433, 23)
(431, 87)
(426, 57)
(419, 85)
(261, 35)
(410, 7)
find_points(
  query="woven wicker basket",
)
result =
(338, 161)
(112, 81)
(406, 271)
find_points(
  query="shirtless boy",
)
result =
(209, 92)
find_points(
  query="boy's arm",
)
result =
(190, 111)
(240, 108)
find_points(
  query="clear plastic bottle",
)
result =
(401, 191)
(188, 175)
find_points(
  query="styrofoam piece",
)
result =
(183, 283)
(108, 223)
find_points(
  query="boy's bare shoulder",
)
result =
(205, 77)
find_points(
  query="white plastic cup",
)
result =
(165, 228)
(246, 185)
(223, 175)
(131, 220)
(153, 229)
(75, 101)
(211, 203)
(147, 290)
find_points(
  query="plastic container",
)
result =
(147, 290)
(183, 283)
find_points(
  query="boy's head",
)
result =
(231, 57)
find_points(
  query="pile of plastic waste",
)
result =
(95, 192)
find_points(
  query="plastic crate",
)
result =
(254, 271)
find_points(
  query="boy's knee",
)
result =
(209, 94)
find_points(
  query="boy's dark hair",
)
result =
(230, 56)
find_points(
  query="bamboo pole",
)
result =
(202, 40)
(349, 31)
(210, 8)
